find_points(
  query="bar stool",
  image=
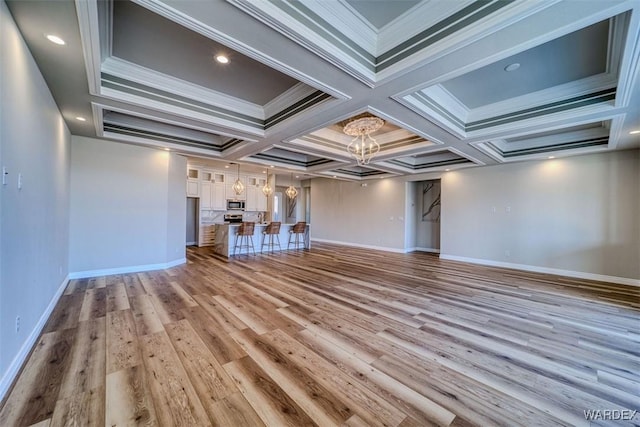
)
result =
(245, 233)
(271, 230)
(298, 230)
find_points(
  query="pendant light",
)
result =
(267, 190)
(291, 192)
(238, 186)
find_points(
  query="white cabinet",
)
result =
(256, 200)
(212, 191)
(218, 196)
(193, 182)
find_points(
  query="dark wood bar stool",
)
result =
(245, 233)
(271, 230)
(297, 233)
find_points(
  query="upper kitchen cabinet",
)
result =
(256, 200)
(212, 191)
(193, 181)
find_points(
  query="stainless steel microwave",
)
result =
(235, 205)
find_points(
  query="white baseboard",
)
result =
(547, 270)
(123, 270)
(422, 249)
(357, 245)
(16, 364)
(191, 243)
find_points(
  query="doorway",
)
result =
(192, 221)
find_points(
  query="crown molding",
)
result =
(229, 124)
(89, 26)
(346, 22)
(338, 54)
(287, 98)
(420, 17)
(162, 9)
(136, 73)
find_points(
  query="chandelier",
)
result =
(363, 147)
(267, 190)
(238, 186)
(291, 192)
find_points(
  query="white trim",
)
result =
(18, 361)
(145, 76)
(546, 270)
(357, 245)
(234, 123)
(289, 97)
(129, 269)
(88, 24)
(422, 249)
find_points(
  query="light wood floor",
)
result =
(334, 336)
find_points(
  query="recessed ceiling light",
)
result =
(633, 132)
(81, 119)
(512, 67)
(222, 59)
(297, 176)
(226, 166)
(447, 170)
(334, 176)
(551, 157)
(272, 166)
(55, 39)
(264, 171)
(167, 149)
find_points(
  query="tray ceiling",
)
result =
(441, 74)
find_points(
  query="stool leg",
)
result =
(278, 239)
(262, 244)
(250, 240)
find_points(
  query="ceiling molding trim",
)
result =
(162, 9)
(97, 114)
(574, 103)
(222, 132)
(154, 143)
(426, 107)
(629, 63)
(270, 158)
(416, 20)
(351, 27)
(157, 136)
(150, 78)
(287, 98)
(346, 56)
(154, 98)
(461, 19)
(365, 174)
(89, 25)
(310, 101)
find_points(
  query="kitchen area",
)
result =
(221, 196)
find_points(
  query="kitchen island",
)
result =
(225, 238)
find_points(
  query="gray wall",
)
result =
(348, 213)
(578, 214)
(127, 207)
(34, 224)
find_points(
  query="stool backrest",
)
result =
(246, 229)
(273, 228)
(300, 227)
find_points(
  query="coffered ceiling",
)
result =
(458, 83)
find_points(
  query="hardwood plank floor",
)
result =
(333, 336)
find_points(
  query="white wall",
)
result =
(577, 214)
(34, 224)
(127, 207)
(346, 212)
